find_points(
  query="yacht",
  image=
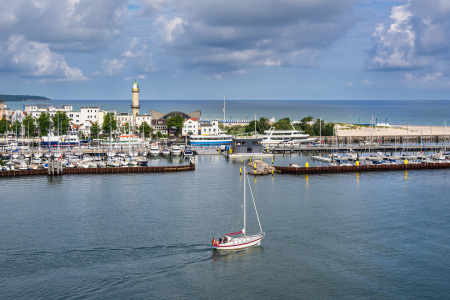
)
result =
(70, 139)
(176, 150)
(273, 137)
(165, 152)
(188, 152)
(154, 150)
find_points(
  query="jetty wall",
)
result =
(364, 168)
(109, 170)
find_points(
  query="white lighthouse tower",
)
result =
(135, 101)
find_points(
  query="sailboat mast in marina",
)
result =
(224, 106)
(240, 240)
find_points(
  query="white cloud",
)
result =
(367, 82)
(69, 25)
(33, 59)
(396, 44)
(417, 39)
(169, 27)
(224, 36)
(113, 66)
(435, 80)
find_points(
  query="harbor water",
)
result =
(381, 235)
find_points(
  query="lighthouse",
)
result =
(135, 101)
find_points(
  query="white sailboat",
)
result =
(240, 240)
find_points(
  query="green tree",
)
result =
(176, 121)
(95, 129)
(16, 127)
(306, 125)
(328, 129)
(283, 124)
(146, 129)
(4, 126)
(235, 129)
(318, 127)
(264, 124)
(29, 126)
(44, 123)
(109, 123)
(157, 135)
(261, 125)
(61, 122)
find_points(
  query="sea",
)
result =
(369, 235)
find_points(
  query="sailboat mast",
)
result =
(245, 214)
(224, 108)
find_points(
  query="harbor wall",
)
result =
(364, 168)
(109, 170)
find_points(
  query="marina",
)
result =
(165, 150)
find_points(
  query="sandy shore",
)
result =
(394, 130)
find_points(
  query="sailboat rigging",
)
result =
(240, 240)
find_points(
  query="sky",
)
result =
(211, 49)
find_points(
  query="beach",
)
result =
(345, 130)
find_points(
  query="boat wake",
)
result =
(96, 271)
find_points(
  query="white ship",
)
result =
(273, 137)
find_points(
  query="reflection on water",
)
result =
(240, 255)
(306, 181)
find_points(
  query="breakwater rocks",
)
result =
(260, 168)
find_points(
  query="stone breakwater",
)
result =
(260, 168)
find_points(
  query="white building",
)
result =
(36, 110)
(17, 115)
(123, 119)
(190, 127)
(143, 118)
(211, 128)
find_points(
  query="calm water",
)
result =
(426, 112)
(381, 235)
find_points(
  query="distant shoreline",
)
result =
(23, 98)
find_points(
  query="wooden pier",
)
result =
(364, 168)
(358, 148)
(109, 170)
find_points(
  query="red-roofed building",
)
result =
(190, 127)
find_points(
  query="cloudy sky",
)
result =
(208, 49)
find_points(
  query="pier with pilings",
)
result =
(109, 170)
(361, 168)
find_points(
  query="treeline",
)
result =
(18, 98)
(308, 125)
